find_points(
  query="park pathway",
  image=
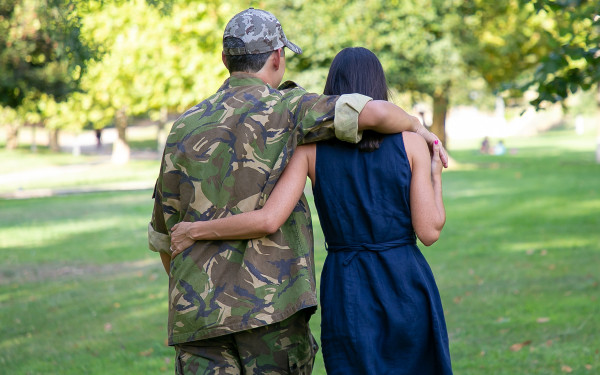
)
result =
(87, 146)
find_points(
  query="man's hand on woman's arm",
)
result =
(385, 117)
(253, 224)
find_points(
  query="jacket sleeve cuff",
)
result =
(157, 241)
(347, 109)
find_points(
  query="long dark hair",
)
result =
(358, 70)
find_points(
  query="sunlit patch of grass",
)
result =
(516, 266)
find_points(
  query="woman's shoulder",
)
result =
(413, 140)
(414, 145)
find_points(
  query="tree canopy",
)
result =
(572, 28)
(41, 51)
(76, 63)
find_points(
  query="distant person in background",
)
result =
(98, 138)
(485, 146)
(381, 309)
(500, 149)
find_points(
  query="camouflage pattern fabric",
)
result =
(260, 31)
(286, 347)
(223, 157)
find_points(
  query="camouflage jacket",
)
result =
(223, 157)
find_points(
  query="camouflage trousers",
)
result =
(287, 347)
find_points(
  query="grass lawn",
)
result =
(517, 268)
(25, 172)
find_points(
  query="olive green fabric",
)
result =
(286, 347)
(223, 157)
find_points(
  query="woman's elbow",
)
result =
(428, 240)
(429, 237)
(270, 225)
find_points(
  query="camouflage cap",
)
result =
(260, 31)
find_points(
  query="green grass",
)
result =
(25, 172)
(79, 291)
(518, 259)
(516, 265)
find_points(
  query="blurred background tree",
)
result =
(154, 61)
(41, 55)
(572, 60)
(92, 63)
(432, 48)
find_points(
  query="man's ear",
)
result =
(276, 59)
(224, 60)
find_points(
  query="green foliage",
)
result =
(153, 57)
(413, 40)
(572, 28)
(41, 52)
(500, 39)
(149, 57)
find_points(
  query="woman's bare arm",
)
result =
(426, 203)
(385, 117)
(252, 224)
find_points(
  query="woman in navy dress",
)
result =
(381, 310)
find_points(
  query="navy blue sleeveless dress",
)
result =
(381, 309)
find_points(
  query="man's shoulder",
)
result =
(200, 109)
(291, 88)
(289, 85)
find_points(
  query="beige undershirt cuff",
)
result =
(347, 109)
(157, 241)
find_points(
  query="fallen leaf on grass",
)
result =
(107, 327)
(544, 252)
(588, 367)
(552, 267)
(543, 320)
(549, 343)
(519, 346)
(566, 368)
(147, 353)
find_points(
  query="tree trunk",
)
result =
(53, 140)
(440, 109)
(33, 138)
(121, 151)
(598, 126)
(12, 136)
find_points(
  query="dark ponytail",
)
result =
(358, 70)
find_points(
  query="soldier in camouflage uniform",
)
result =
(243, 306)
